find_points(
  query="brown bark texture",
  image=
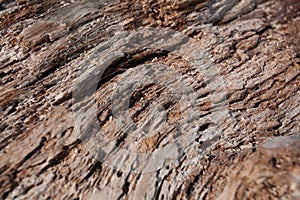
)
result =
(167, 99)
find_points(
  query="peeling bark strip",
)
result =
(49, 152)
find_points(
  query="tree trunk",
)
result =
(169, 99)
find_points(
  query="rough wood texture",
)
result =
(250, 48)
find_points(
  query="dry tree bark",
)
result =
(240, 140)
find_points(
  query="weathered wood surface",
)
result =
(250, 48)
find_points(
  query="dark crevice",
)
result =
(258, 85)
(242, 96)
(84, 21)
(2, 74)
(162, 137)
(146, 104)
(159, 187)
(55, 64)
(265, 29)
(4, 4)
(176, 193)
(119, 174)
(120, 139)
(169, 104)
(97, 166)
(6, 104)
(26, 189)
(57, 159)
(125, 187)
(191, 186)
(13, 107)
(138, 94)
(129, 60)
(76, 143)
(5, 194)
(67, 130)
(5, 141)
(274, 128)
(34, 151)
(204, 126)
(4, 168)
(13, 184)
(188, 5)
(3, 127)
(256, 105)
(137, 113)
(65, 98)
(210, 142)
(156, 183)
